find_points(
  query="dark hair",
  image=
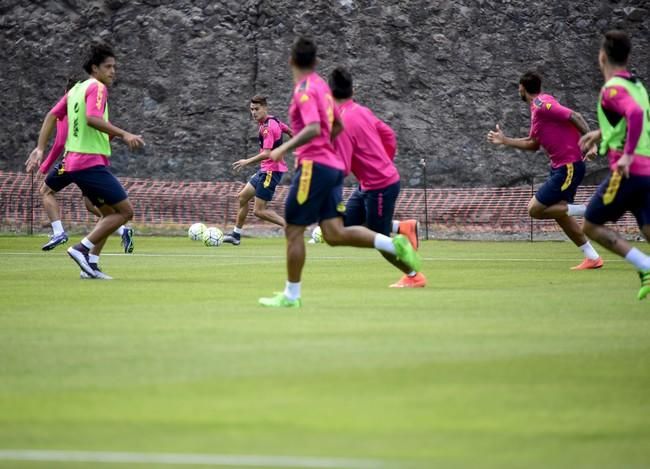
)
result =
(341, 83)
(617, 46)
(532, 82)
(303, 53)
(259, 99)
(71, 81)
(96, 56)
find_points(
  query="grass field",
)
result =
(507, 359)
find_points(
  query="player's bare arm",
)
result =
(581, 124)
(36, 156)
(309, 132)
(133, 141)
(497, 137)
(337, 128)
(263, 155)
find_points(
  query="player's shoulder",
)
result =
(544, 103)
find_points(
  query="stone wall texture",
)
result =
(442, 73)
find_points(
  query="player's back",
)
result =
(369, 161)
(312, 102)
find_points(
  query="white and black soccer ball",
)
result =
(195, 233)
(212, 237)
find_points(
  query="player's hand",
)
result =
(276, 155)
(588, 140)
(133, 141)
(623, 165)
(240, 164)
(591, 154)
(34, 160)
(496, 136)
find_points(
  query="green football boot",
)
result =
(405, 252)
(645, 284)
(280, 301)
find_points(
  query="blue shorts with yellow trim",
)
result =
(99, 185)
(58, 178)
(616, 195)
(316, 194)
(265, 183)
(562, 184)
(373, 208)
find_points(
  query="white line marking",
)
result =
(331, 258)
(188, 459)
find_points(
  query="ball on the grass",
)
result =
(212, 236)
(195, 233)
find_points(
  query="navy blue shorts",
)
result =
(316, 193)
(373, 209)
(265, 183)
(99, 185)
(562, 184)
(58, 179)
(616, 195)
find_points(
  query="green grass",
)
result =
(507, 358)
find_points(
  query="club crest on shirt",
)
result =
(304, 98)
(548, 106)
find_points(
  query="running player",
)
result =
(317, 187)
(262, 184)
(557, 129)
(624, 135)
(368, 146)
(87, 151)
(56, 180)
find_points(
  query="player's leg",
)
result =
(261, 211)
(380, 208)
(102, 188)
(612, 199)
(264, 194)
(244, 197)
(56, 180)
(336, 234)
(554, 200)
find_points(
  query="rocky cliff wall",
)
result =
(442, 73)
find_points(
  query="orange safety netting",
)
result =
(499, 210)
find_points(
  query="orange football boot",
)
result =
(409, 228)
(418, 281)
(589, 264)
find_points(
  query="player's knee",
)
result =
(333, 237)
(45, 190)
(259, 212)
(535, 211)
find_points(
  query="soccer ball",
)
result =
(212, 237)
(317, 235)
(195, 233)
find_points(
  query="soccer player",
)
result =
(87, 152)
(624, 135)
(263, 183)
(56, 180)
(557, 129)
(317, 187)
(368, 146)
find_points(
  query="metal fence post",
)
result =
(423, 163)
(532, 193)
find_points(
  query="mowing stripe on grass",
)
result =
(332, 258)
(187, 459)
